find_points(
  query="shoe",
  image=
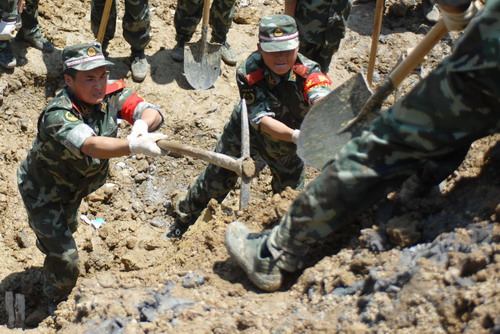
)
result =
(178, 52)
(176, 230)
(246, 249)
(415, 187)
(228, 55)
(433, 15)
(7, 58)
(36, 40)
(139, 67)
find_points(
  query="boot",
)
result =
(249, 250)
(139, 67)
(7, 58)
(36, 40)
(228, 55)
(178, 51)
(183, 220)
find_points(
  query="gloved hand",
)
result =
(8, 30)
(295, 136)
(458, 21)
(140, 128)
(146, 144)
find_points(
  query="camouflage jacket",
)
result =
(285, 98)
(55, 169)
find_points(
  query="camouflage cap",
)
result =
(278, 33)
(84, 57)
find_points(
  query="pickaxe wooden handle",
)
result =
(377, 25)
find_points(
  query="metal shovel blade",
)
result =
(202, 63)
(319, 141)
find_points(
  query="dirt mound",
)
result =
(431, 265)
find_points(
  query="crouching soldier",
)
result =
(70, 156)
(279, 85)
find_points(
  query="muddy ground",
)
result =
(437, 270)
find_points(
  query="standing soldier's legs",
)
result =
(8, 9)
(30, 31)
(221, 17)
(7, 58)
(136, 24)
(54, 225)
(96, 11)
(214, 181)
(188, 14)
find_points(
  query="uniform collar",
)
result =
(273, 79)
(83, 107)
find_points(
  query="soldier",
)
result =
(29, 33)
(70, 156)
(279, 85)
(136, 31)
(188, 14)
(322, 25)
(454, 105)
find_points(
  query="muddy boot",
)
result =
(7, 58)
(140, 66)
(183, 219)
(178, 51)
(250, 251)
(228, 55)
(36, 40)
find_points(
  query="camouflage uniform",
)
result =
(322, 25)
(56, 175)
(136, 23)
(188, 14)
(286, 99)
(456, 104)
(8, 11)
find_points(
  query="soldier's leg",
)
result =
(136, 24)
(8, 10)
(54, 225)
(288, 170)
(221, 18)
(187, 17)
(7, 58)
(96, 11)
(214, 181)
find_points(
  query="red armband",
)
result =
(115, 86)
(129, 106)
(316, 80)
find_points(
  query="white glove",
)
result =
(146, 144)
(140, 128)
(458, 21)
(295, 136)
(8, 30)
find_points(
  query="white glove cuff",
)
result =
(295, 136)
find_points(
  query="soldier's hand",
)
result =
(457, 20)
(295, 136)
(146, 144)
(139, 128)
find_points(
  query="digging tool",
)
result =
(334, 120)
(243, 166)
(377, 24)
(104, 20)
(202, 59)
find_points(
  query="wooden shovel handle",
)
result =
(206, 12)
(377, 25)
(104, 20)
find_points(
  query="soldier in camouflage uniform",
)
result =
(454, 105)
(279, 85)
(188, 14)
(322, 25)
(70, 156)
(136, 31)
(9, 28)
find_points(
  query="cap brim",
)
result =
(93, 64)
(280, 46)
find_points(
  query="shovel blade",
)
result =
(201, 64)
(319, 141)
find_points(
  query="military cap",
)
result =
(84, 57)
(278, 33)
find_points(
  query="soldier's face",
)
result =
(89, 86)
(279, 62)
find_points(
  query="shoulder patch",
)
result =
(115, 86)
(70, 117)
(300, 69)
(255, 77)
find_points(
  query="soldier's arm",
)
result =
(277, 129)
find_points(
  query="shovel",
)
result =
(243, 166)
(202, 59)
(104, 21)
(334, 120)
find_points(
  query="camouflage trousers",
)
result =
(29, 16)
(8, 9)
(54, 225)
(136, 22)
(286, 167)
(457, 103)
(322, 25)
(188, 14)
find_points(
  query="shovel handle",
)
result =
(377, 25)
(104, 21)
(206, 11)
(398, 74)
(214, 158)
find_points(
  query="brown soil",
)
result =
(439, 271)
